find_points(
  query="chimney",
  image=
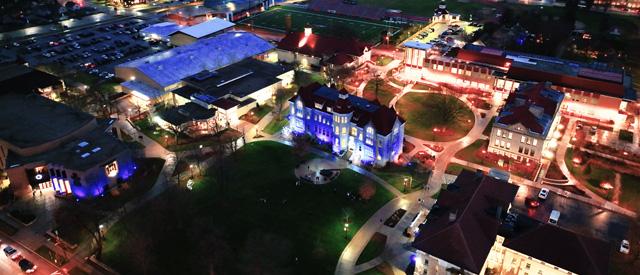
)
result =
(453, 216)
(307, 30)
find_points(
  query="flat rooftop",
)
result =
(92, 149)
(171, 66)
(29, 120)
(240, 80)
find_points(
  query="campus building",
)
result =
(190, 15)
(311, 50)
(592, 91)
(525, 127)
(160, 31)
(20, 78)
(441, 14)
(237, 9)
(373, 134)
(48, 145)
(470, 230)
(217, 99)
(151, 79)
(206, 29)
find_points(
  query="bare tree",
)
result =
(367, 190)
(177, 130)
(280, 96)
(76, 215)
(377, 82)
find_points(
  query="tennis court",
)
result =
(322, 24)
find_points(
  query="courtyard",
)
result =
(435, 117)
(253, 215)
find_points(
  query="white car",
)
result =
(544, 192)
(624, 247)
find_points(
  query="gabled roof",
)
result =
(316, 45)
(532, 105)
(322, 98)
(462, 226)
(565, 249)
(206, 28)
(169, 67)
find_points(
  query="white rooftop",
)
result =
(162, 30)
(207, 27)
(417, 45)
(170, 67)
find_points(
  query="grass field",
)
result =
(422, 116)
(322, 24)
(263, 220)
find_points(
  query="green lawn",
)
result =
(322, 24)
(591, 176)
(455, 169)
(167, 139)
(275, 126)
(630, 196)
(386, 92)
(256, 114)
(424, 7)
(303, 78)
(423, 114)
(374, 248)
(487, 130)
(396, 175)
(174, 232)
(469, 152)
(383, 60)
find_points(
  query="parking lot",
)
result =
(574, 215)
(96, 50)
(445, 35)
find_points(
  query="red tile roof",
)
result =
(574, 82)
(486, 58)
(567, 250)
(521, 114)
(321, 46)
(466, 239)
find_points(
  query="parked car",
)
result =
(544, 192)
(624, 247)
(11, 252)
(27, 266)
(554, 217)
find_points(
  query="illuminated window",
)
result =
(111, 169)
(337, 130)
(354, 131)
(454, 70)
(370, 131)
(499, 132)
(496, 143)
(522, 139)
(508, 145)
(344, 130)
(535, 142)
(510, 135)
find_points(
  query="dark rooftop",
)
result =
(463, 224)
(565, 249)
(30, 120)
(239, 79)
(80, 154)
(185, 113)
(20, 78)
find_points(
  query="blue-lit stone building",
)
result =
(371, 133)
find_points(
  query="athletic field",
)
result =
(322, 24)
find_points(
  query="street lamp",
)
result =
(191, 169)
(346, 230)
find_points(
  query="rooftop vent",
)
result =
(83, 144)
(96, 149)
(85, 155)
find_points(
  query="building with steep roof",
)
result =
(524, 128)
(309, 49)
(372, 133)
(470, 230)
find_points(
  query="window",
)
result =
(526, 151)
(528, 266)
(354, 132)
(344, 130)
(370, 131)
(499, 132)
(532, 153)
(522, 139)
(510, 135)
(337, 130)
(535, 142)
(496, 143)
(508, 145)
(454, 70)
(520, 149)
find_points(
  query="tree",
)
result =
(77, 215)
(176, 130)
(367, 190)
(449, 110)
(300, 146)
(339, 74)
(280, 96)
(377, 82)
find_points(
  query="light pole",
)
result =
(346, 230)
(191, 169)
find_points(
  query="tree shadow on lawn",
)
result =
(257, 206)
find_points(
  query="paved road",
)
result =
(7, 266)
(574, 215)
